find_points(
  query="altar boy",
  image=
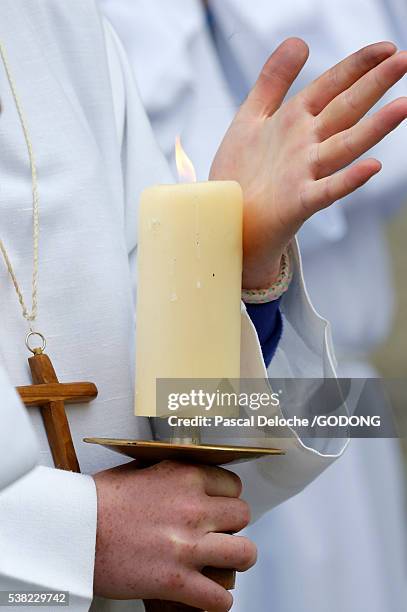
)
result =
(71, 107)
(209, 59)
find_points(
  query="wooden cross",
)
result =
(51, 396)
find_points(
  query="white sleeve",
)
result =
(47, 534)
(18, 445)
(47, 517)
(305, 349)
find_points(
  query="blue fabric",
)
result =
(268, 322)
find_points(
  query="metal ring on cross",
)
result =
(39, 349)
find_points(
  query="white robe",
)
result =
(185, 91)
(95, 152)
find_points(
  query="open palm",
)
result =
(293, 159)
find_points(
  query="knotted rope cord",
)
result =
(29, 316)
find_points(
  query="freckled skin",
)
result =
(157, 528)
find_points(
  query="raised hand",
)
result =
(159, 527)
(292, 159)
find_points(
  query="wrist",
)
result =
(275, 289)
(261, 275)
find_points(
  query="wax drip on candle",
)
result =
(154, 225)
(173, 270)
(197, 238)
(197, 231)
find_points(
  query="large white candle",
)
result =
(189, 285)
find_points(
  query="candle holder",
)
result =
(148, 452)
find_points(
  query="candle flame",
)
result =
(186, 170)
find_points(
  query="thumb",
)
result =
(276, 78)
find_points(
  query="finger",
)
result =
(324, 192)
(200, 592)
(221, 483)
(227, 514)
(276, 78)
(343, 148)
(351, 105)
(343, 75)
(226, 551)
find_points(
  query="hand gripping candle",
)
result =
(189, 284)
